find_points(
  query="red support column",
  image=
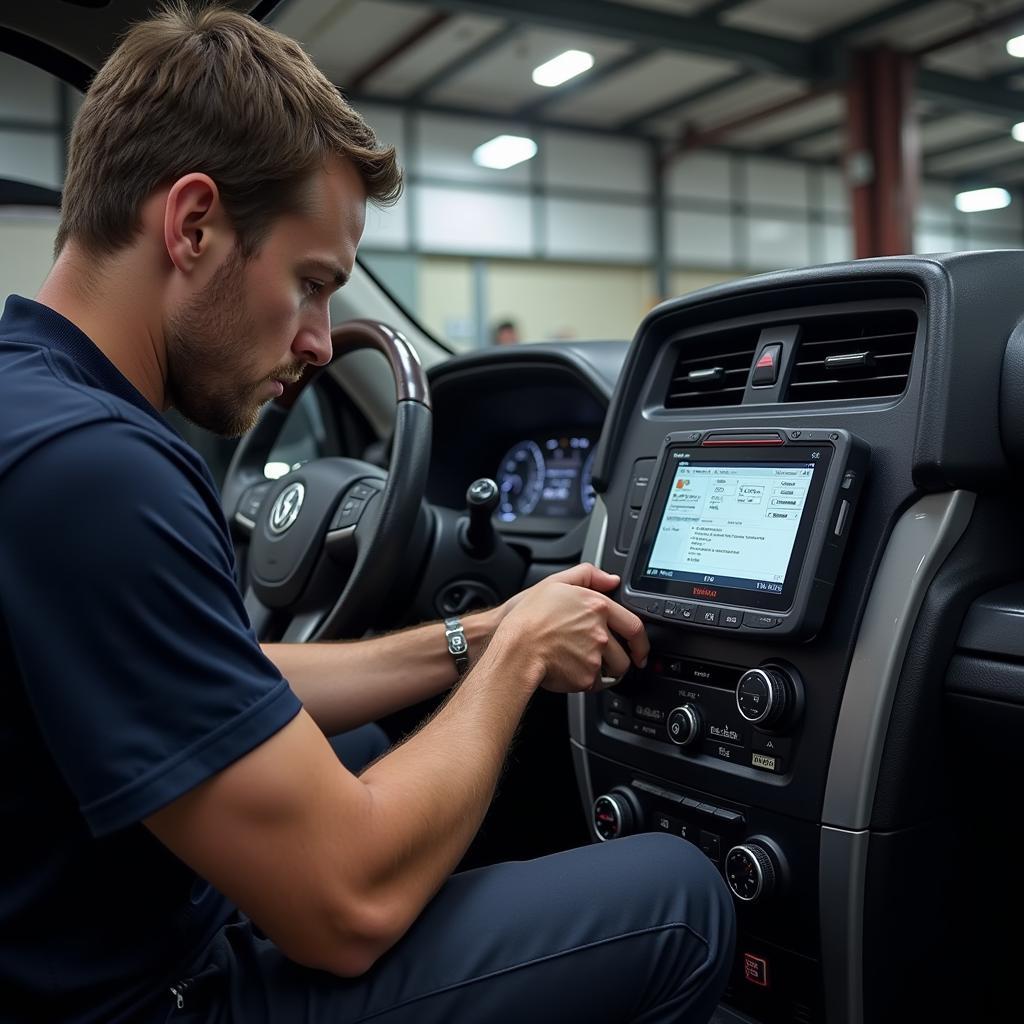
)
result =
(883, 152)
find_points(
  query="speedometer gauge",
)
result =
(520, 480)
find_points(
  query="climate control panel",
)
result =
(747, 716)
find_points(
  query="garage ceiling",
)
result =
(675, 70)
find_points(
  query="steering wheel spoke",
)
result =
(247, 511)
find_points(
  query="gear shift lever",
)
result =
(477, 535)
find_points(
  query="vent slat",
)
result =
(730, 351)
(885, 337)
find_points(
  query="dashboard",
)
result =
(530, 418)
(806, 482)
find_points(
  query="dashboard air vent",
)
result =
(712, 369)
(853, 355)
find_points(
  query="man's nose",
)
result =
(313, 342)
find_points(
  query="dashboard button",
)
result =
(671, 610)
(642, 470)
(844, 511)
(774, 746)
(613, 702)
(617, 720)
(687, 612)
(711, 845)
(731, 620)
(654, 607)
(759, 620)
(628, 529)
(707, 615)
(652, 732)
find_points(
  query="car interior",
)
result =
(807, 481)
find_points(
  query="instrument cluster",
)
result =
(547, 476)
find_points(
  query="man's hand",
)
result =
(567, 623)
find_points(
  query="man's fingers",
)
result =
(631, 628)
(589, 576)
(614, 661)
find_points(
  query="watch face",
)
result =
(457, 644)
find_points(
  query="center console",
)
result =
(786, 465)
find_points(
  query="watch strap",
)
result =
(458, 645)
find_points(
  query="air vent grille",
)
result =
(712, 370)
(854, 355)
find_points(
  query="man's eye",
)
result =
(312, 287)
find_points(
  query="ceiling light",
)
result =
(1017, 131)
(504, 151)
(563, 67)
(1015, 46)
(982, 199)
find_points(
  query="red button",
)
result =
(755, 970)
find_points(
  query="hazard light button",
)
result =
(766, 369)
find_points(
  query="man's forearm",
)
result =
(430, 794)
(345, 685)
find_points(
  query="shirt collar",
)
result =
(27, 320)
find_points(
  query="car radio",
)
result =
(745, 529)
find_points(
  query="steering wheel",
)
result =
(327, 539)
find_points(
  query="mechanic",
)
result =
(182, 840)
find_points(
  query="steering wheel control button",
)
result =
(348, 513)
(749, 872)
(759, 620)
(252, 499)
(684, 725)
(361, 492)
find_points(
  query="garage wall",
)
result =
(565, 244)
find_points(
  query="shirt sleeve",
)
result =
(134, 648)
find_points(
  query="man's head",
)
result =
(214, 151)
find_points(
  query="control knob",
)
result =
(684, 724)
(616, 813)
(765, 695)
(750, 871)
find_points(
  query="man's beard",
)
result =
(210, 374)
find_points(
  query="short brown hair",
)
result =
(211, 90)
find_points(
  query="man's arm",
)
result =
(345, 685)
(334, 868)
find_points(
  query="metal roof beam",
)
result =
(470, 57)
(646, 27)
(684, 99)
(964, 145)
(585, 81)
(468, 113)
(843, 33)
(406, 43)
(968, 94)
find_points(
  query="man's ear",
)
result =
(195, 224)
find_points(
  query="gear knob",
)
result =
(482, 498)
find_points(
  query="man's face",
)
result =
(258, 322)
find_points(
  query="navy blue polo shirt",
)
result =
(129, 674)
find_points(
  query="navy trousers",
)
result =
(639, 929)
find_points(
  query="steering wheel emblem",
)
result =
(286, 508)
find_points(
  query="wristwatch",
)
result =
(458, 645)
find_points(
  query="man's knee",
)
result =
(695, 890)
